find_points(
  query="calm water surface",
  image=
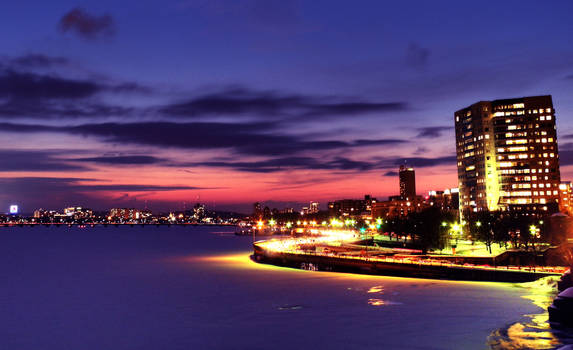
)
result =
(196, 288)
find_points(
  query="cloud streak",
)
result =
(433, 131)
(242, 138)
(242, 101)
(121, 160)
(14, 160)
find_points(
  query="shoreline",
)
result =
(401, 267)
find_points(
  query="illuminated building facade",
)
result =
(125, 214)
(507, 155)
(398, 207)
(447, 200)
(351, 207)
(565, 194)
(407, 177)
(78, 212)
(314, 207)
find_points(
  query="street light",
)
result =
(455, 230)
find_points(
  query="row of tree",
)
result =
(434, 229)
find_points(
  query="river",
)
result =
(196, 288)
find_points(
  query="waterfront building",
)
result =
(398, 207)
(199, 211)
(351, 207)
(507, 156)
(313, 208)
(446, 200)
(257, 210)
(565, 194)
(407, 177)
(125, 214)
(286, 211)
(78, 213)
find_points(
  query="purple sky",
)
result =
(120, 104)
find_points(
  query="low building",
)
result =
(351, 207)
(446, 200)
(78, 213)
(398, 207)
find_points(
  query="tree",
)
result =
(429, 229)
(481, 227)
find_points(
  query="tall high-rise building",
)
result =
(507, 155)
(407, 182)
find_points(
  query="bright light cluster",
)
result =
(324, 236)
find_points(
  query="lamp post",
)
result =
(454, 231)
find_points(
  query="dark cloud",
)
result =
(56, 192)
(41, 185)
(246, 138)
(65, 184)
(433, 131)
(20, 85)
(280, 164)
(34, 160)
(320, 163)
(40, 96)
(242, 101)
(417, 56)
(570, 76)
(37, 60)
(86, 25)
(422, 162)
(121, 160)
(41, 109)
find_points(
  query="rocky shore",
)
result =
(561, 311)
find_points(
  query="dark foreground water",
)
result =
(196, 288)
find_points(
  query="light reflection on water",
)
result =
(533, 331)
(191, 288)
(530, 332)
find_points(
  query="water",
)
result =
(196, 288)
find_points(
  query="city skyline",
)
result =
(266, 102)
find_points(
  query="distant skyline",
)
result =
(228, 103)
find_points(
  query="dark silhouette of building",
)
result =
(407, 182)
(257, 210)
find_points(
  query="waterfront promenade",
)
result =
(314, 253)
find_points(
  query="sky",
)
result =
(162, 104)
